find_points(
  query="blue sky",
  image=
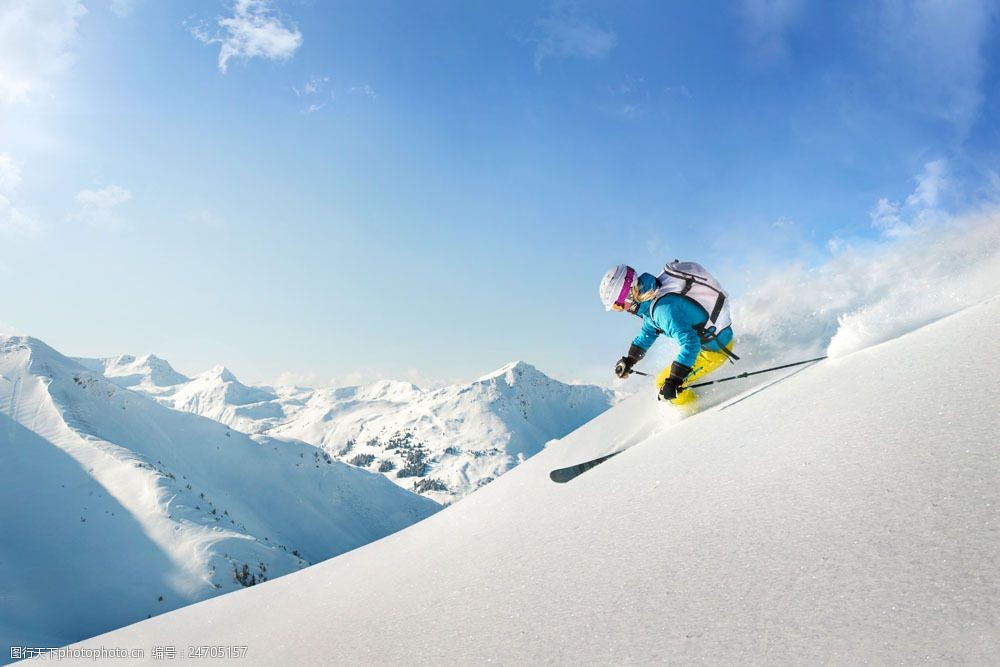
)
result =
(339, 191)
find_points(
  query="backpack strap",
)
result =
(705, 334)
(689, 281)
(717, 310)
(710, 334)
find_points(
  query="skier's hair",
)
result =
(639, 297)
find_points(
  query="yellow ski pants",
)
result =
(707, 362)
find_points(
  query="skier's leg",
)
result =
(707, 362)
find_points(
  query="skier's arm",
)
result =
(647, 336)
(637, 350)
(677, 318)
(690, 344)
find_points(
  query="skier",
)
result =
(686, 303)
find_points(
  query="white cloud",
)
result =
(923, 204)
(931, 184)
(98, 207)
(36, 38)
(768, 23)
(253, 31)
(933, 50)
(887, 218)
(564, 35)
(15, 220)
(312, 86)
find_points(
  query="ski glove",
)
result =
(673, 384)
(624, 366)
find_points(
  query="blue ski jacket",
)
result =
(678, 317)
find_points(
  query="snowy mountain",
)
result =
(442, 443)
(128, 371)
(115, 507)
(844, 513)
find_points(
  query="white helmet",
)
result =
(615, 286)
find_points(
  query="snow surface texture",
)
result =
(847, 513)
(114, 507)
(443, 443)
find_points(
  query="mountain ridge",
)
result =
(443, 443)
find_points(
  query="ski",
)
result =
(563, 475)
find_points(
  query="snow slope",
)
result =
(442, 443)
(845, 513)
(114, 507)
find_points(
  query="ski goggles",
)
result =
(626, 287)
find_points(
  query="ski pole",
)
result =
(744, 375)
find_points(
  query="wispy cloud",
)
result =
(316, 90)
(15, 220)
(895, 219)
(931, 185)
(36, 40)
(768, 25)
(313, 86)
(887, 217)
(565, 34)
(253, 31)
(99, 208)
(934, 51)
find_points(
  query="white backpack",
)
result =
(692, 280)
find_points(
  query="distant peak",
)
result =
(220, 372)
(15, 342)
(128, 370)
(513, 371)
